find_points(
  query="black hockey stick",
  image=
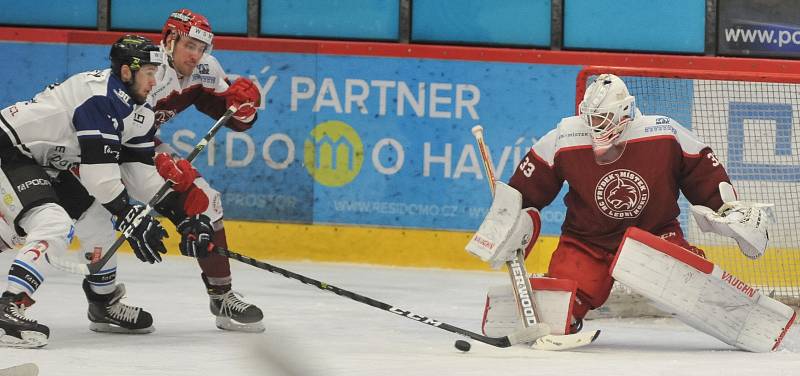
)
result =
(522, 336)
(96, 266)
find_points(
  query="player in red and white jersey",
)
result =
(624, 169)
(194, 77)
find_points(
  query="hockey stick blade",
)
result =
(529, 334)
(27, 369)
(565, 342)
(526, 335)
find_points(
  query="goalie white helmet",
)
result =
(606, 109)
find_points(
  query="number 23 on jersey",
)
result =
(526, 167)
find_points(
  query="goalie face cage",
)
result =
(752, 123)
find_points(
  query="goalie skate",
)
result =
(16, 330)
(109, 315)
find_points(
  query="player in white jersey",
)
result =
(96, 124)
(194, 77)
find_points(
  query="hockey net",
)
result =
(752, 122)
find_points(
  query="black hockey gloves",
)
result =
(196, 233)
(145, 237)
(144, 233)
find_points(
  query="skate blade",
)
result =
(27, 369)
(29, 340)
(225, 323)
(111, 328)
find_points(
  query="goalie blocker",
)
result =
(700, 294)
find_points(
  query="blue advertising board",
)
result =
(355, 140)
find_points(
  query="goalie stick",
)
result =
(96, 266)
(520, 336)
(523, 292)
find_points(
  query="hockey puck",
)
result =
(463, 345)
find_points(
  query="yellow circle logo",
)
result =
(8, 199)
(333, 153)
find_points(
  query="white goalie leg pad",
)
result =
(701, 294)
(552, 297)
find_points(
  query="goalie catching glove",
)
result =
(746, 222)
(505, 229)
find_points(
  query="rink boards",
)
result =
(362, 151)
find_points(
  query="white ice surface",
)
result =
(314, 332)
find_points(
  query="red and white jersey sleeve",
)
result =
(537, 166)
(701, 172)
(203, 89)
(641, 188)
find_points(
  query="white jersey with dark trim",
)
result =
(88, 120)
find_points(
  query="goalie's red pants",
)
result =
(589, 266)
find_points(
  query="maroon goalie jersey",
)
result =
(640, 189)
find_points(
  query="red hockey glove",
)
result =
(180, 173)
(195, 201)
(244, 95)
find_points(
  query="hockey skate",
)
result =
(16, 330)
(231, 312)
(108, 314)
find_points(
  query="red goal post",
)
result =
(752, 122)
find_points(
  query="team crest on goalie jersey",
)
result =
(621, 194)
